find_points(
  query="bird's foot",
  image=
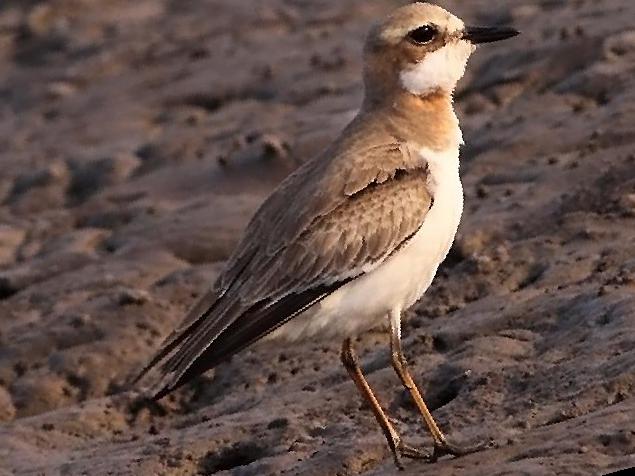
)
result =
(412, 452)
(403, 450)
(444, 448)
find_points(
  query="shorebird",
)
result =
(353, 237)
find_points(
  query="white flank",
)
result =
(398, 282)
(440, 69)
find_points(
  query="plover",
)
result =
(355, 235)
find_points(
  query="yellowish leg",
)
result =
(398, 448)
(399, 363)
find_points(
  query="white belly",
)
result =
(399, 281)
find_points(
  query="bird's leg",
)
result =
(399, 363)
(398, 448)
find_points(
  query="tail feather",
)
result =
(195, 317)
(246, 328)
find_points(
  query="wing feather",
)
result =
(338, 227)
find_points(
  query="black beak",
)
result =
(486, 34)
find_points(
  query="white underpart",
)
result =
(440, 69)
(395, 322)
(398, 282)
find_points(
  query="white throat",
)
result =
(440, 69)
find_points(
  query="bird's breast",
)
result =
(432, 242)
(399, 281)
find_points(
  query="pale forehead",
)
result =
(409, 17)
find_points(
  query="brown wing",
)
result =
(279, 271)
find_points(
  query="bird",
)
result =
(353, 237)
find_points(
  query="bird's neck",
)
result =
(428, 120)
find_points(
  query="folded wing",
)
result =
(344, 227)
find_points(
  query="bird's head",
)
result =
(422, 49)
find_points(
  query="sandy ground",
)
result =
(136, 138)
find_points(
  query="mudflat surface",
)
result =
(136, 138)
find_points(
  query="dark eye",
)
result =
(422, 35)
